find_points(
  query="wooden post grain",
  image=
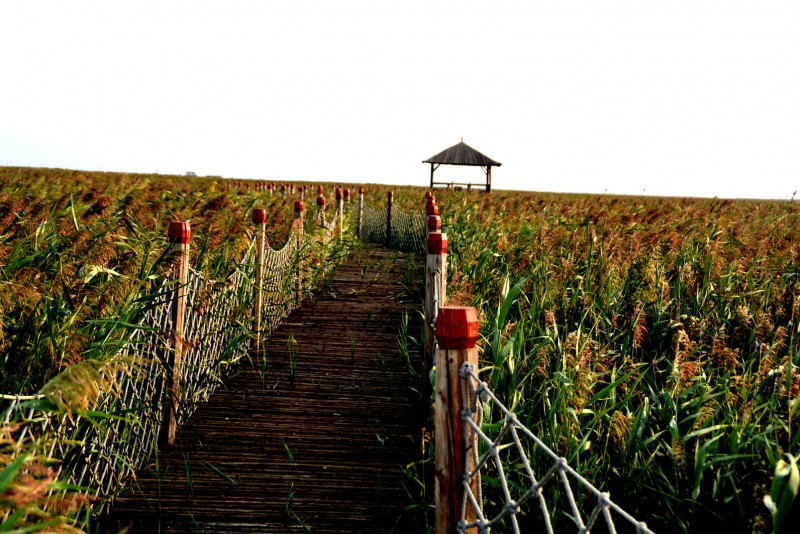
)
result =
(435, 295)
(456, 333)
(260, 220)
(360, 211)
(389, 202)
(299, 209)
(179, 234)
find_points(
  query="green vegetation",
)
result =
(81, 256)
(652, 342)
(80, 250)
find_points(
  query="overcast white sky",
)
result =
(678, 97)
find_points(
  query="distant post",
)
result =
(179, 234)
(320, 206)
(299, 208)
(433, 211)
(457, 333)
(360, 212)
(260, 220)
(340, 210)
(389, 202)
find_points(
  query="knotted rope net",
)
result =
(407, 230)
(103, 432)
(512, 447)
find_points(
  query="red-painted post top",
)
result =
(299, 207)
(436, 243)
(360, 190)
(457, 327)
(320, 200)
(347, 194)
(433, 210)
(434, 223)
(390, 194)
(179, 232)
(428, 194)
(338, 193)
(319, 190)
(259, 215)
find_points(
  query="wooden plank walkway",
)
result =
(320, 449)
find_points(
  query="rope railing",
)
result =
(472, 449)
(392, 227)
(508, 443)
(101, 421)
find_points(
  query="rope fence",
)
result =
(391, 227)
(100, 421)
(488, 464)
(193, 330)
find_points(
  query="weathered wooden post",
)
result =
(299, 208)
(456, 333)
(360, 212)
(320, 206)
(428, 196)
(260, 220)
(179, 234)
(340, 210)
(435, 295)
(347, 197)
(389, 202)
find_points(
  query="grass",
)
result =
(292, 351)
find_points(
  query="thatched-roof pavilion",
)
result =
(462, 154)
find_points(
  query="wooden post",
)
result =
(360, 211)
(340, 210)
(179, 234)
(435, 296)
(299, 208)
(320, 206)
(428, 196)
(433, 211)
(260, 220)
(456, 333)
(389, 202)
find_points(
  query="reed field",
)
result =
(79, 249)
(653, 342)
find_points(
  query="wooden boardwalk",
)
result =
(320, 447)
